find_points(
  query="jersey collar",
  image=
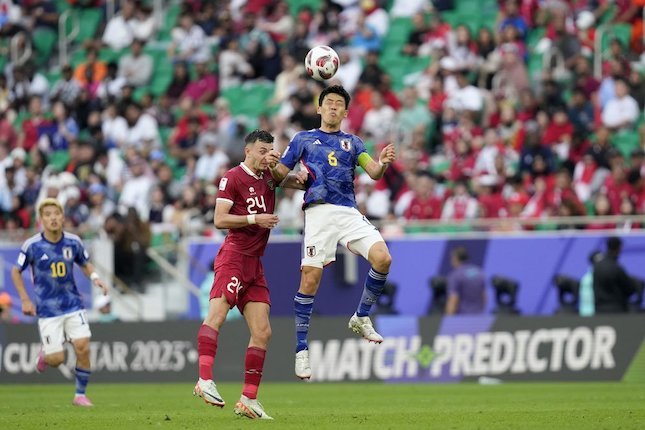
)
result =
(250, 172)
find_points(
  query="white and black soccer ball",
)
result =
(322, 62)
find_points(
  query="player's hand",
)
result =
(266, 220)
(272, 158)
(28, 308)
(301, 177)
(102, 285)
(388, 154)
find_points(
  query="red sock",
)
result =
(253, 365)
(207, 347)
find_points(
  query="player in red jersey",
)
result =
(245, 204)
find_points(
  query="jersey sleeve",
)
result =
(25, 257)
(360, 148)
(82, 256)
(226, 189)
(293, 153)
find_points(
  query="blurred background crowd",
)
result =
(129, 111)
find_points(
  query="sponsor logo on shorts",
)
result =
(311, 251)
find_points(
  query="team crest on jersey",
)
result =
(311, 251)
(67, 253)
(251, 190)
(346, 144)
(271, 184)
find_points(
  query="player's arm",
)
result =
(225, 220)
(279, 172)
(376, 169)
(88, 270)
(28, 307)
(452, 304)
(296, 180)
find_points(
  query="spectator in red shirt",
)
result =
(563, 194)
(461, 205)
(204, 88)
(585, 174)
(616, 187)
(437, 96)
(463, 162)
(33, 127)
(558, 133)
(491, 201)
(425, 204)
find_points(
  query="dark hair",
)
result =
(261, 135)
(335, 89)
(460, 253)
(614, 244)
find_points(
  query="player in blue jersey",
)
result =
(59, 307)
(331, 215)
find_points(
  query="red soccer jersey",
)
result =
(250, 194)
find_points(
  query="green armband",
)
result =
(364, 159)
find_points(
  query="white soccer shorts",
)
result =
(327, 225)
(54, 331)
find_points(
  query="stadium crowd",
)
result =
(478, 133)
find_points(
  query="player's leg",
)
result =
(82, 371)
(257, 318)
(207, 339)
(364, 239)
(320, 239)
(303, 305)
(78, 331)
(380, 260)
(52, 336)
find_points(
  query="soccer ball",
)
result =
(322, 62)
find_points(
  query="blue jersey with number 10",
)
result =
(330, 159)
(52, 267)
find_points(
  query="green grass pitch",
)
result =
(333, 406)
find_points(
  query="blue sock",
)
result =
(303, 305)
(373, 287)
(82, 378)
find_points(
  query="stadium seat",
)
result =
(170, 19)
(58, 160)
(622, 32)
(251, 99)
(44, 42)
(626, 141)
(89, 20)
(296, 5)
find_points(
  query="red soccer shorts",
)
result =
(240, 279)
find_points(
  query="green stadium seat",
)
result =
(626, 141)
(296, 5)
(399, 30)
(62, 5)
(89, 20)
(58, 160)
(44, 41)
(164, 134)
(251, 99)
(172, 14)
(622, 32)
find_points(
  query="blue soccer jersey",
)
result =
(52, 268)
(330, 159)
